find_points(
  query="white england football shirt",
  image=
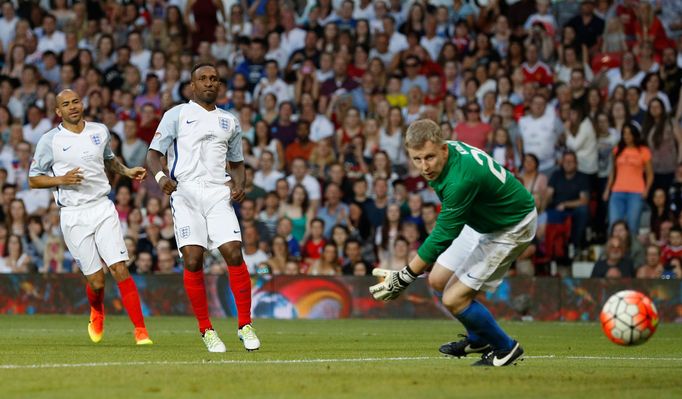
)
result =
(60, 150)
(198, 143)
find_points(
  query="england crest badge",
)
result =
(224, 123)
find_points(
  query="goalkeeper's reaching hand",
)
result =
(394, 283)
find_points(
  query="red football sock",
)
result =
(196, 292)
(131, 301)
(240, 283)
(96, 298)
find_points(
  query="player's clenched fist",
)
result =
(167, 185)
(238, 195)
(394, 283)
(72, 177)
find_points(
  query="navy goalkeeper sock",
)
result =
(481, 325)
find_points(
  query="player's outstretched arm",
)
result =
(156, 167)
(71, 178)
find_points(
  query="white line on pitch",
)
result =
(669, 359)
(301, 361)
(213, 362)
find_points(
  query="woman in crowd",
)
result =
(280, 255)
(328, 264)
(14, 259)
(664, 139)
(297, 209)
(630, 180)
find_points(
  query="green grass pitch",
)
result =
(52, 357)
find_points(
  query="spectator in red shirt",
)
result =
(472, 131)
(673, 249)
(535, 70)
(312, 249)
(148, 122)
(435, 93)
(302, 147)
(649, 28)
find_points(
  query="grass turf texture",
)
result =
(316, 359)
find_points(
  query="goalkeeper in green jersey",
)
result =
(487, 220)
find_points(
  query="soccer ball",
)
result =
(629, 318)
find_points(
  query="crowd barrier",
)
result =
(308, 297)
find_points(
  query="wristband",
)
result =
(159, 175)
(406, 276)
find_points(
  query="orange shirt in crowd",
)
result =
(298, 150)
(630, 166)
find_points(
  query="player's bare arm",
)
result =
(71, 178)
(156, 167)
(115, 166)
(238, 181)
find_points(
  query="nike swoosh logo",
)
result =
(122, 252)
(470, 349)
(66, 148)
(500, 362)
(188, 122)
(236, 232)
(473, 278)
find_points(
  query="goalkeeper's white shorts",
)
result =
(480, 261)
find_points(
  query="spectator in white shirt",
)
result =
(364, 10)
(51, 38)
(139, 56)
(380, 49)
(430, 41)
(581, 138)
(539, 134)
(299, 175)
(293, 37)
(271, 83)
(8, 24)
(397, 42)
(266, 176)
(275, 50)
(37, 124)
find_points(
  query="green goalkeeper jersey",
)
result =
(476, 191)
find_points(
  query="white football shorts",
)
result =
(203, 215)
(480, 261)
(93, 231)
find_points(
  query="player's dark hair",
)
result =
(201, 65)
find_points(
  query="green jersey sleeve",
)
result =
(457, 200)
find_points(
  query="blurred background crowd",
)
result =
(578, 99)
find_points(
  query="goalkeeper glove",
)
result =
(394, 283)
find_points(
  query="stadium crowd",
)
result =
(579, 99)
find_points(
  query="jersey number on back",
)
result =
(477, 154)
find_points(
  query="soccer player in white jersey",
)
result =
(72, 159)
(199, 142)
